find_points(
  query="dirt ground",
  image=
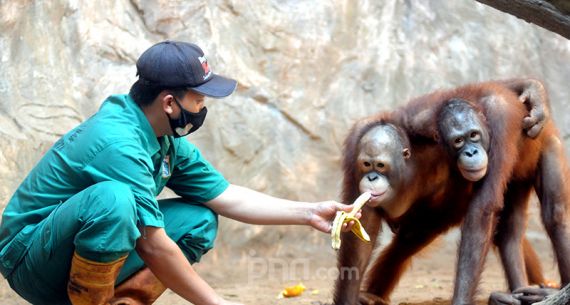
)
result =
(429, 280)
(257, 279)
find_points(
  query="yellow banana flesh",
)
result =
(343, 217)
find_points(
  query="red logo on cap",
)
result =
(205, 66)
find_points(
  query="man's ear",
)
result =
(166, 102)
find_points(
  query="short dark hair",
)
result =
(144, 92)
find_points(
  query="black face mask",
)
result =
(188, 122)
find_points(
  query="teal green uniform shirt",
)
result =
(116, 144)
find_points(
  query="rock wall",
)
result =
(306, 71)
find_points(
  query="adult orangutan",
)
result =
(417, 187)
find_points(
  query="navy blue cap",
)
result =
(175, 64)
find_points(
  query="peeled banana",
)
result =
(343, 217)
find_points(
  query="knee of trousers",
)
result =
(108, 221)
(199, 237)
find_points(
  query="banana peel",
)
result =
(343, 217)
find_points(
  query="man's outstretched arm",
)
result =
(246, 205)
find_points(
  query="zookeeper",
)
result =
(85, 227)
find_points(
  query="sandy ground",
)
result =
(254, 279)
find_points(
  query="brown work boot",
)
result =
(142, 288)
(92, 283)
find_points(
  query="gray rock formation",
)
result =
(306, 71)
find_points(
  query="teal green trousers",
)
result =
(100, 224)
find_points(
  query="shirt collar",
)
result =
(149, 138)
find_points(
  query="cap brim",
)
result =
(217, 87)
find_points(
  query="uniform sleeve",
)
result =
(193, 177)
(129, 164)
